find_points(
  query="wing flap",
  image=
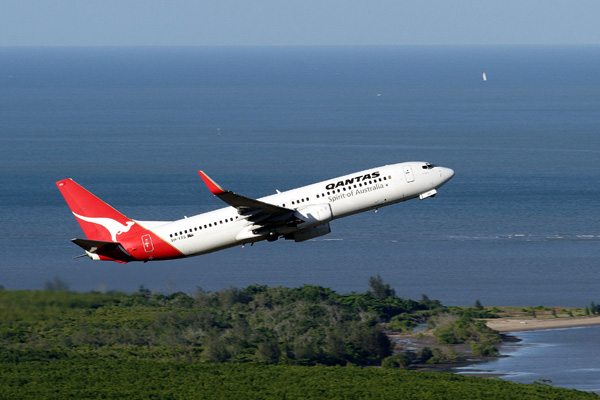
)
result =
(246, 204)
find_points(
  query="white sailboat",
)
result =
(484, 77)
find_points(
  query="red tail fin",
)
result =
(98, 220)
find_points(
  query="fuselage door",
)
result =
(408, 174)
(147, 242)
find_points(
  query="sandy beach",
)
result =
(518, 325)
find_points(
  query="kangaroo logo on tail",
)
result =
(113, 227)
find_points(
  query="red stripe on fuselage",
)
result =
(137, 245)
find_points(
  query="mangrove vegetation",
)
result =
(306, 342)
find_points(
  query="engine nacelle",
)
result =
(313, 215)
(309, 233)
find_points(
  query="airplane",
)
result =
(298, 214)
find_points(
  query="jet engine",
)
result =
(313, 215)
(309, 233)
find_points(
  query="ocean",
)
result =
(518, 225)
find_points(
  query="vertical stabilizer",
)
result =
(98, 220)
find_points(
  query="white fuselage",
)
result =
(346, 195)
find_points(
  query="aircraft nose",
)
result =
(445, 174)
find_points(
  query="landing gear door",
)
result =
(408, 173)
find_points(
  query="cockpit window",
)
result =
(428, 166)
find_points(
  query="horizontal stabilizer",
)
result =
(111, 250)
(93, 245)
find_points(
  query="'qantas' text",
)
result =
(360, 178)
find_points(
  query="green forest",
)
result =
(254, 342)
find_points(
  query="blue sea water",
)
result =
(558, 357)
(518, 225)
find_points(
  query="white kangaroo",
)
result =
(113, 227)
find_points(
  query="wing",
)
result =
(263, 214)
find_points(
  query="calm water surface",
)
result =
(559, 357)
(518, 225)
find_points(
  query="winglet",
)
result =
(212, 185)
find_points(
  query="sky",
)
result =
(291, 22)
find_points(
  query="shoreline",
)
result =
(508, 329)
(505, 325)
